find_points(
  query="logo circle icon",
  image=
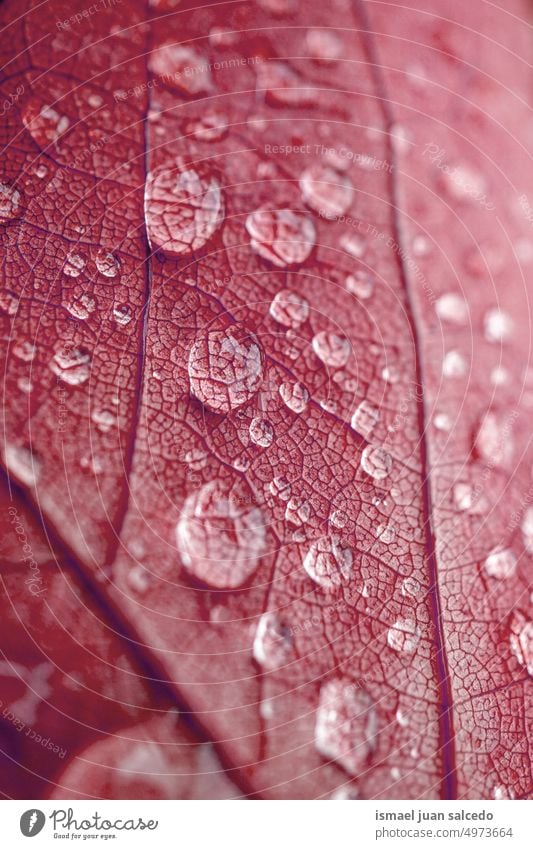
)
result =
(32, 822)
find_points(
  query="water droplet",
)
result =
(498, 326)
(25, 384)
(353, 245)
(95, 101)
(280, 8)
(295, 396)
(107, 263)
(463, 182)
(273, 643)
(338, 518)
(453, 308)
(386, 533)
(404, 636)
(324, 46)
(73, 366)
(92, 463)
(45, 124)
(261, 432)
(297, 511)
(82, 307)
(402, 719)
(139, 579)
(183, 208)
(282, 86)
(360, 284)
(182, 69)
(10, 202)
(346, 725)
(333, 350)
(220, 537)
(25, 350)
(411, 587)
(41, 171)
(329, 562)
(467, 499)
(376, 462)
(281, 488)
(500, 563)
(122, 314)
(326, 191)
(281, 236)
(9, 302)
(454, 365)
(222, 37)
(103, 419)
(365, 419)
(209, 127)
(391, 374)
(289, 309)
(526, 527)
(442, 422)
(493, 442)
(226, 368)
(522, 640)
(22, 464)
(499, 376)
(420, 246)
(499, 791)
(401, 139)
(74, 264)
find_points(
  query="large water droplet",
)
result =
(404, 636)
(346, 725)
(329, 561)
(225, 368)
(261, 432)
(376, 462)
(453, 308)
(295, 396)
(500, 563)
(107, 263)
(22, 464)
(73, 366)
(220, 536)
(182, 69)
(282, 86)
(334, 350)
(281, 236)
(10, 202)
(365, 418)
(289, 309)
(522, 640)
(326, 191)
(183, 208)
(273, 643)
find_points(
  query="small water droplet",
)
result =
(95, 101)
(493, 442)
(208, 127)
(122, 314)
(338, 518)
(261, 432)
(281, 236)
(346, 727)
(526, 527)
(73, 366)
(326, 191)
(22, 463)
(25, 384)
(9, 302)
(41, 171)
(453, 308)
(331, 348)
(273, 643)
(498, 326)
(11, 203)
(25, 350)
(297, 511)
(139, 579)
(44, 123)
(376, 462)
(103, 419)
(454, 365)
(442, 422)
(360, 283)
(522, 640)
(74, 264)
(324, 46)
(295, 396)
(107, 263)
(499, 792)
(353, 245)
(282, 86)
(386, 533)
(404, 636)
(82, 307)
(329, 562)
(390, 374)
(182, 69)
(220, 537)
(225, 368)
(500, 563)
(463, 182)
(289, 309)
(499, 376)
(420, 246)
(365, 418)
(281, 488)
(223, 37)
(183, 209)
(467, 499)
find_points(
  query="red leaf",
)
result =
(266, 375)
